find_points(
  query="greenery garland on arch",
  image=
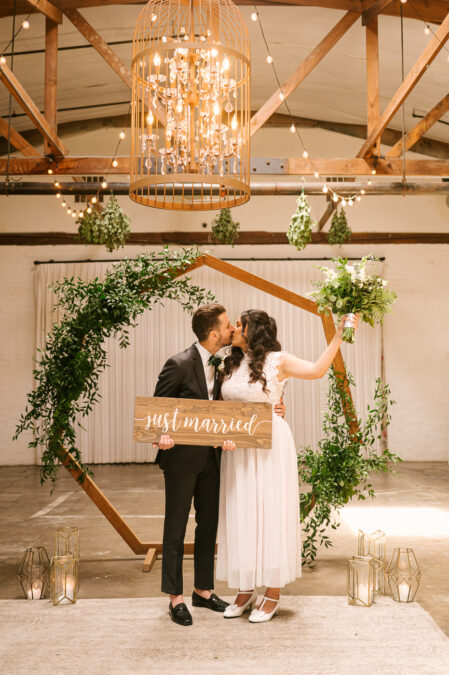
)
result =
(74, 356)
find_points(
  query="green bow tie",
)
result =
(214, 361)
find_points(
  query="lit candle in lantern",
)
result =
(404, 589)
(34, 593)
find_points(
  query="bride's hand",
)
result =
(229, 445)
(353, 322)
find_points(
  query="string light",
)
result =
(293, 129)
(63, 204)
(89, 210)
(69, 210)
(325, 189)
(316, 174)
(373, 172)
(50, 171)
(122, 135)
(254, 16)
(269, 59)
(305, 154)
(114, 162)
(104, 185)
(25, 24)
(335, 197)
(57, 184)
(427, 30)
(94, 200)
(2, 60)
(58, 195)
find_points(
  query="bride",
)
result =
(259, 526)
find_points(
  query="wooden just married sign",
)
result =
(202, 422)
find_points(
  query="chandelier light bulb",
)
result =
(25, 24)
(254, 16)
(150, 118)
(58, 195)
(325, 189)
(292, 128)
(104, 185)
(214, 53)
(269, 59)
(216, 108)
(122, 135)
(94, 200)
(316, 174)
(157, 60)
(234, 123)
(225, 64)
(153, 17)
(305, 154)
(114, 163)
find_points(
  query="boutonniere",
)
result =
(220, 367)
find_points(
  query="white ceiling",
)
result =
(334, 91)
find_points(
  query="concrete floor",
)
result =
(411, 506)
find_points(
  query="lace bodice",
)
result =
(239, 388)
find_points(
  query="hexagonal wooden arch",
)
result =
(94, 492)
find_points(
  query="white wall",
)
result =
(416, 347)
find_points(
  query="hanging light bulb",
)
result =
(153, 17)
(293, 129)
(104, 185)
(94, 200)
(58, 195)
(269, 59)
(254, 16)
(69, 210)
(122, 135)
(225, 64)
(150, 118)
(50, 171)
(343, 202)
(305, 154)
(316, 174)
(2, 60)
(427, 30)
(73, 214)
(362, 191)
(114, 162)
(373, 171)
(56, 183)
(63, 204)
(350, 202)
(281, 95)
(234, 123)
(403, 1)
(157, 60)
(25, 24)
(369, 181)
(358, 198)
(335, 198)
(89, 210)
(325, 189)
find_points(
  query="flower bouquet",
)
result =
(353, 289)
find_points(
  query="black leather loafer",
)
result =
(214, 603)
(180, 614)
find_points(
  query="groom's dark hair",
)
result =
(205, 319)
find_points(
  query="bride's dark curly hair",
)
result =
(260, 332)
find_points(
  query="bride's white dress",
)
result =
(259, 529)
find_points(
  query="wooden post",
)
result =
(372, 79)
(51, 78)
(150, 559)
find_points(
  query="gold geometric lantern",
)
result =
(67, 541)
(34, 573)
(190, 106)
(403, 575)
(361, 580)
(373, 543)
(64, 579)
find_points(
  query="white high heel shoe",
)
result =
(234, 610)
(258, 616)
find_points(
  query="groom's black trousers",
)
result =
(180, 488)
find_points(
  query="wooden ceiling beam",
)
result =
(413, 136)
(27, 104)
(326, 215)
(292, 166)
(374, 11)
(47, 9)
(108, 54)
(17, 141)
(432, 11)
(372, 78)
(435, 45)
(51, 79)
(305, 67)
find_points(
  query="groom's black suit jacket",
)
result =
(183, 377)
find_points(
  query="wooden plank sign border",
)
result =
(202, 422)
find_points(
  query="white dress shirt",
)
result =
(209, 369)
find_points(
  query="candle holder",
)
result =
(361, 580)
(34, 573)
(403, 575)
(67, 541)
(373, 543)
(64, 579)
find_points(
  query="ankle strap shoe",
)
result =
(258, 616)
(235, 610)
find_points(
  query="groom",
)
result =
(192, 472)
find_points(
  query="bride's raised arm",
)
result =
(292, 366)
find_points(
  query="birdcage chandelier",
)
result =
(190, 106)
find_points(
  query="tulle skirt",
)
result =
(259, 529)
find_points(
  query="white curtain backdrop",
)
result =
(167, 330)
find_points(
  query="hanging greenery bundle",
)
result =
(68, 370)
(339, 231)
(111, 227)
(299, 232)
(224, 229)
(340, 468)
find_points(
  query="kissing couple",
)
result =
(250, 495)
